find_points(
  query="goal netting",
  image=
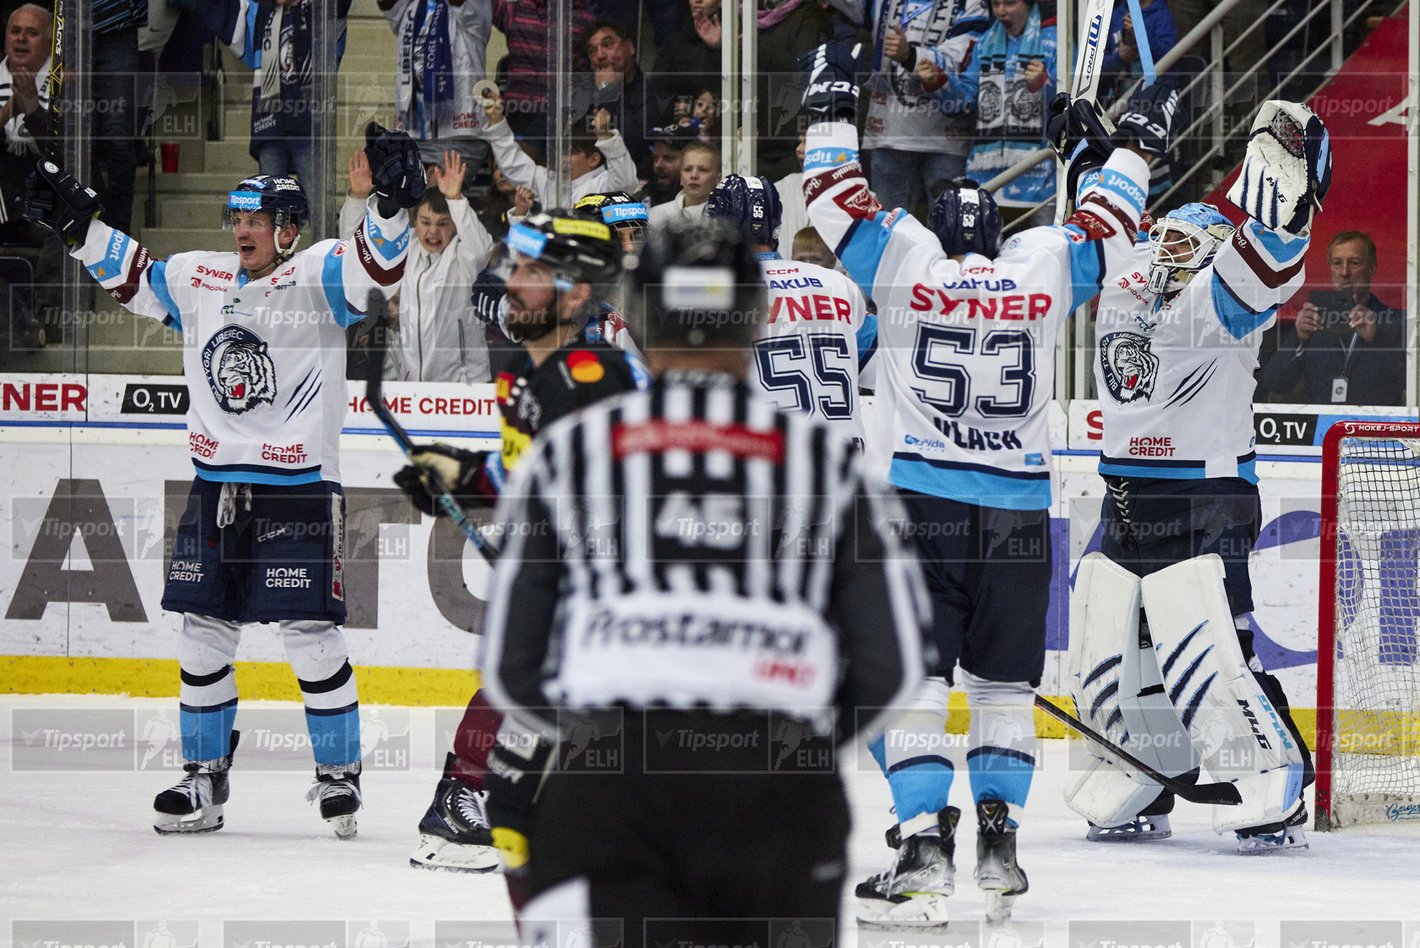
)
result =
(1368, 671)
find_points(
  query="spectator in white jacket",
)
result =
(699, 173)
(437, 337)
(593, 167)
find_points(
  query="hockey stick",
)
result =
(1224, 794)
(374, 382)
(1085, 82)
(56, 80)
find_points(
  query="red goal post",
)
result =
(1368, 670)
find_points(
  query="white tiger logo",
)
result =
(1129, 368)
(243, 375)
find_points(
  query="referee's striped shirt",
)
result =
(693, 546)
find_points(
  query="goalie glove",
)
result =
(832, 90)
(56, 200)
(1147, 122)
(395, 169)
(464, 474)
(1287, 169)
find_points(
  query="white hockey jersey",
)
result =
(967, 349)
(264, 360)
(440, 337)
(1175, 376)
(817, 337)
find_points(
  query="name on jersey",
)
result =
(817, 306)
(1151, 447)
(284, 453)
(967, 438)
(1024, 306)
(214, 274)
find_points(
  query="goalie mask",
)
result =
(279, 196)
(1184, 241)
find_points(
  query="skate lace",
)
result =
(197, 786)
(469, 805)
(332, 789)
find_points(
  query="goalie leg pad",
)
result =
(1116, 685)
(913, 753)
(1001, 759)
(1239, 735)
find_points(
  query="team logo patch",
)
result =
(239, 369)
(1130, 369)
(585, 367)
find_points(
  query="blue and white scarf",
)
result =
(1006, 110)
(426, 95)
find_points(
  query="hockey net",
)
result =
(1368, 672)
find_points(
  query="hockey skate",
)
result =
(1275, 838)
(195, 804)
(998, 875)
(454, 833)
(337, 787)
(913, 891)
(1140, 829)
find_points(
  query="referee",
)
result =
(705, 579)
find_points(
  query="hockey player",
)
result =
(1177, 339)
(262, 539)
(559, 268)
(629, 221)
(625, 594)
(818, 335)
(966, 370)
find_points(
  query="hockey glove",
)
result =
(54, 199)
(516, 767)
(1147, 122)
(1287, 169)
(832, 71)
(395, 169)
(490, 297)
(463, 473)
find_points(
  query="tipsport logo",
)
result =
(124, 933)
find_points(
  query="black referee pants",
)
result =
(722, 829)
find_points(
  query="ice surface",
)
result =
(79, 859)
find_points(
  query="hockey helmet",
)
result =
(696, 285)
(753, 203)
(277, 195)
(577, 249)
(619, 211)
(965, 219)
(1184, 241)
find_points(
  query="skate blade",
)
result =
(1282, 850)
(1127, 836)
(999, 905)
(207, 820)
(344, 826)
(921, 912)
(442, 854)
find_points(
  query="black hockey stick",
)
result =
(374, 381)
(1224, 794)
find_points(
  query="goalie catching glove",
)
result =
(832, 90)
(464, 473)
(56, 200)
(1287, 170)
(395, 169)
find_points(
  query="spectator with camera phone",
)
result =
(1346, 346)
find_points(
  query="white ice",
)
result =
(79, 845)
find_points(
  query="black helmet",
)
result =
(752, 202)
(965, 219)
(277, 195)
(698, 285)
(579, 250)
